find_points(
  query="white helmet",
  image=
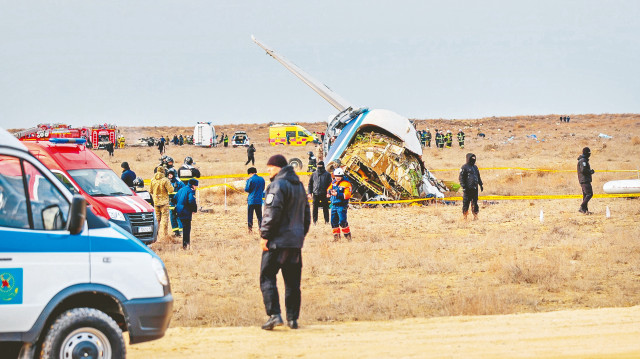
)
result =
(338, 172)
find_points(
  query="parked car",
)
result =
(240, 138)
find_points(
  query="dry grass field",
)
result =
(424, 261)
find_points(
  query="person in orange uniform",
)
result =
(339, 191)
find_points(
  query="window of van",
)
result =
(99, 182)
(65, 181)
(49, 207)
(13, 202)
(301, 134)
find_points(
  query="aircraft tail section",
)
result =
(333, 98)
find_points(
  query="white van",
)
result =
(70, 282)
(204, 134)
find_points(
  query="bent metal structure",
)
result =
(379, 149)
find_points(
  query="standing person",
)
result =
(449, 138)
(186, 206)
(188, 170)
(161, 145)
(128, 176)
(339, 191)
(439, 140)
(226, 141)
(110, 148)
(176, 224)
(255, 188)
(251, 150)
(159, 189)
(584, 177)
(284, 225)
(317, 191)
(469, 181)
(461, 138)
(428, 137)
(311, 166)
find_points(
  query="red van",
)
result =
(83, 172)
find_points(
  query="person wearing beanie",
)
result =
(584, 177)
(185, 207)
(284, 225)
(255, 188)
(128, 176)
(469, 181)
(316, 191)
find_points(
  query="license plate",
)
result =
(145, 229)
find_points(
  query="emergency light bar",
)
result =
(77, 141)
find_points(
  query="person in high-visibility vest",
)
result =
(428, 137)
(449, 138)
(461, 138)
(340, 192)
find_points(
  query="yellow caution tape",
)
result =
(525, 169)
(504, 198)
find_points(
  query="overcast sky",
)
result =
(177, 62)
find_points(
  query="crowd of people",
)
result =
(442, 139)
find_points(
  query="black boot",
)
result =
(274, 320)
(293, 324)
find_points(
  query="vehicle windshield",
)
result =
(100, 182)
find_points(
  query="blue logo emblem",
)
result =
(11, 286)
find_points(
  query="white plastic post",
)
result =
(608, 212)
(541, 216)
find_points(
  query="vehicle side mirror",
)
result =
(77, 214)
(52, 218)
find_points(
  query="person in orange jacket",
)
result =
(340, 192)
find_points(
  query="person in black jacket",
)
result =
(251, 150)
(469, 181)
(284, 225)
(317, 191)
(584, 177)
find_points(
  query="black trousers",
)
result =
(290, 261)
(251, 159)
(186, 232)
(254, 208)
(470, 196)
(587, 194)
(320, 201)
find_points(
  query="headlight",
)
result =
(158, 268)
(115, 214)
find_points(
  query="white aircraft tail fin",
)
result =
(333, 98)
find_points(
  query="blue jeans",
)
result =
(339, 216)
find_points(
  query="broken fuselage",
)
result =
(378, 149)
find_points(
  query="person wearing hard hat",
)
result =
(340, 192)
(427, 136)
(461, 138)
(285, 223)
(448, 138)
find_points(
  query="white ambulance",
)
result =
(70, 282)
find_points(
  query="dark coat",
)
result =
(186, 202)
(584, 169)
(319, 182)
(128, 176)
(286, 217)
(469, 174)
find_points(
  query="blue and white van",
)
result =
(70, 281)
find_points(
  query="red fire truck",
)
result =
(101, 135)
(45, 131)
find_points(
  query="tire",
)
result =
(81, 331)
(296, 163)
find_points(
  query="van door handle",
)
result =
(6, 259)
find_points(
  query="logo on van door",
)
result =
(10, 286)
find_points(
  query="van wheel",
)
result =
(296, 163)
(83, 333)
